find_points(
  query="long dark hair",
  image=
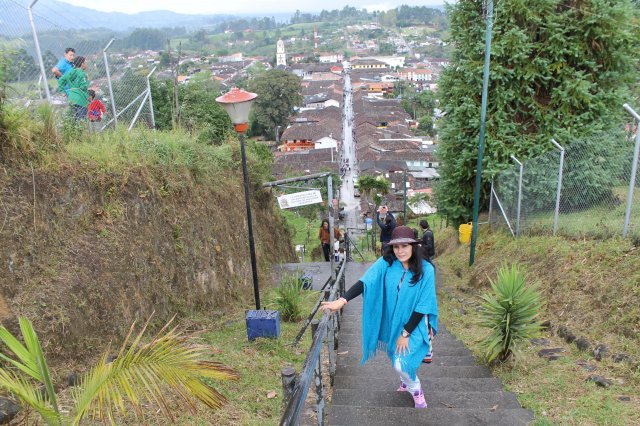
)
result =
(323, 221)
(415, 261)
(78, 61)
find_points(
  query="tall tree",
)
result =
(278, 94)
(558, 69)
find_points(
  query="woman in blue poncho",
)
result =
(399, 308)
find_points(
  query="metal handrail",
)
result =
(313, 313)
(329, 324)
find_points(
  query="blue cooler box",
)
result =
(262, 323)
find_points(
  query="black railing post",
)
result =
(317, 377)
(314, 327)
(347, 248)
(331, 348)
(288, 375)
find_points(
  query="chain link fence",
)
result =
(586, 188)
(33, 40)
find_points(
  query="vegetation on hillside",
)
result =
(558, 71)
(141, 375)
(589, 287)
(510, 313)
(279, 92)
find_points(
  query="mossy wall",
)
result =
(96, 250)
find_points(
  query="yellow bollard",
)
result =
(465, 232)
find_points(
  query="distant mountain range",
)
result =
(53, 14)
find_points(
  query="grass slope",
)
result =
(591, 287)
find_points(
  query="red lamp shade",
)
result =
(237, 103)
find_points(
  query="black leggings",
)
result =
(325, 251)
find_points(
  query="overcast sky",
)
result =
(243, 6)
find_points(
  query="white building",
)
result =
(326, 142)
(281, 56)
(390, 61)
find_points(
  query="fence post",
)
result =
(634, 171)
(491, 203)
(36, 43)
(288, 375)
(106, 66)
(519, 195)
(153, 117)
(557, 212)
(135, 117)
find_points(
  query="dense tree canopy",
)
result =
(200, 114)
(279, 92)
(558, 69)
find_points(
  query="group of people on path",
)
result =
(400, 309)
(325, 240)
(387, 223)
(73, 82)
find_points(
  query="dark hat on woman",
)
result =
(402, 235)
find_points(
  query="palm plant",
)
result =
(142, 373)
(372, 186)
(510, 313)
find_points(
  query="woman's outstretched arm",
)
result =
(355, 291)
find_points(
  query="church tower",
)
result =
(281, 56)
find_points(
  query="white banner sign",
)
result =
(298, 199)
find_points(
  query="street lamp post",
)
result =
(237, 103)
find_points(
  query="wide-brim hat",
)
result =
(402, 235)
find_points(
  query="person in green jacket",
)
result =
(78, 94)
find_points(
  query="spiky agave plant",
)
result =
(289, 298)
(510, 313)
(142, 373)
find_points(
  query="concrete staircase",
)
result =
(457, 389)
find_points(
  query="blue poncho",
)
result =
(385, 311)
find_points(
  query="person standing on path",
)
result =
(399, 307)
(428, 242)
(386, 227)
(76, 81)
(325, 238)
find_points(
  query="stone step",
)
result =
(383, 361)
(435, 399)
(384, 416)
(353, 341)
(355, 349)
(470, 372)
(440, 384)
(356, 327)
(353, 338)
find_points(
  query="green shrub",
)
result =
(289, 298)
(510, 313)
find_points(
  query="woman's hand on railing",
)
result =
(334, 306)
